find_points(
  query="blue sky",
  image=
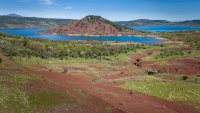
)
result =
(174, 10)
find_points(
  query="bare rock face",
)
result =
(90, 26)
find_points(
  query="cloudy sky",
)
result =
(115, 10)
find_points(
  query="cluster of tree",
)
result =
(26, 47)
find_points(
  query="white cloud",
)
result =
(46, 2)
(68, 7)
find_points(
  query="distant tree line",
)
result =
(191, 38)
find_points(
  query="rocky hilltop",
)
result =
(91, 26)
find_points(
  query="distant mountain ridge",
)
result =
(18, 21)
(14, 15)
(91, 26)
(147, 22)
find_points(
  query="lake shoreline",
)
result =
(143, 36)
(147, 38)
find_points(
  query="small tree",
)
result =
(1, 60)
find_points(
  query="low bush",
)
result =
(152, 72)
(184, 77)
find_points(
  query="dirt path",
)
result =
(98, 97)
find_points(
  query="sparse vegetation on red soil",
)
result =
(123, 78)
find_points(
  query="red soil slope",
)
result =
(110, 95)
(90, 25)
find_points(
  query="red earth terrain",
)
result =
(95, 97)
(174, 66)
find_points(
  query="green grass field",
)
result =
(17, 97)
(170, 90)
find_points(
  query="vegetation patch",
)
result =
(45, 99)
(108, 109)
(14, 100)
(24, 47)
(172, 53)
(1, 62)
(17, 96)
(20, 79)
(195, 79)
(167, 53)
(189, 37)
(170, 90)
(152, 72)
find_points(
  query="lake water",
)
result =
(165, 28)
(33, 33)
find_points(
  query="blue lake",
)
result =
(157, 29)
(33, 33)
